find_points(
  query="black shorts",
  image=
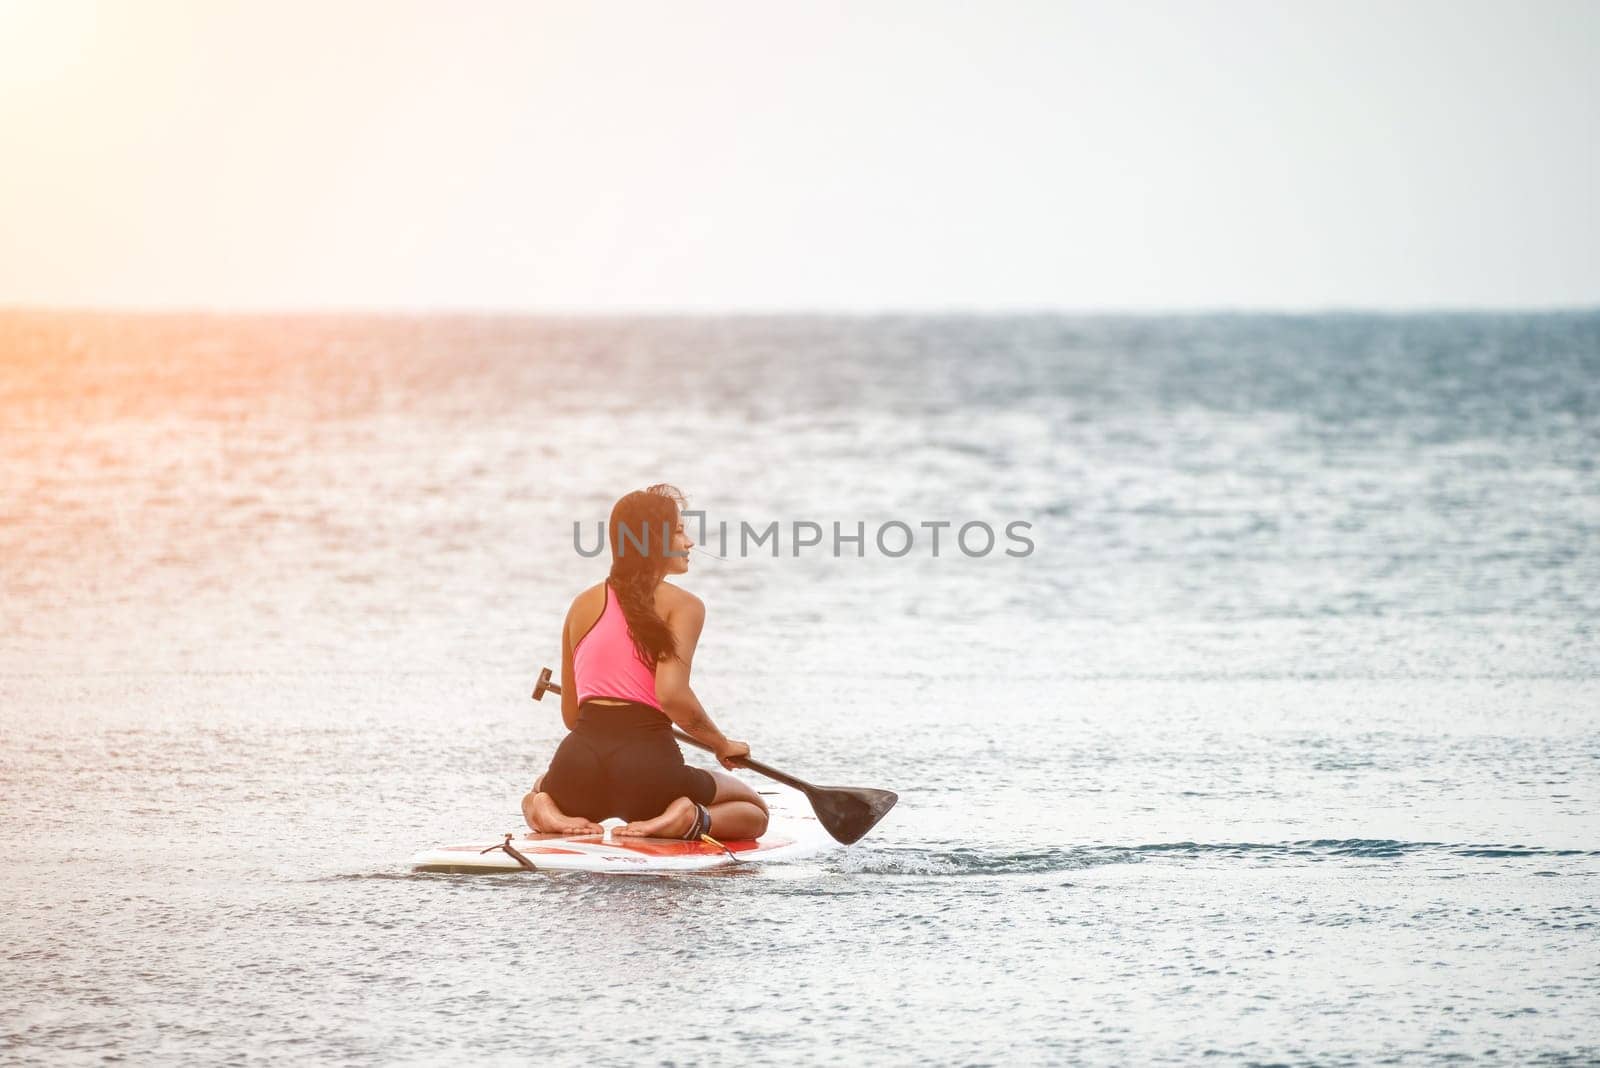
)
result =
(622, 760)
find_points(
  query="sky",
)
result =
(699, 156)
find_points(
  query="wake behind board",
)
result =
(785, 840)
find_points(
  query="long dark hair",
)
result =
(641, 533)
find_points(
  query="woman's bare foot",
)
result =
(673, 823)
(544, 817)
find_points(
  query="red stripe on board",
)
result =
(650, 847)
(525, 849)
(658, 847)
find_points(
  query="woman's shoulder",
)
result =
(670, 598)
(589, 601)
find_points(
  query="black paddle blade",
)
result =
(848, 812)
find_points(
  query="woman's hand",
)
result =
(730, 750)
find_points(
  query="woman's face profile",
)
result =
(681, 543)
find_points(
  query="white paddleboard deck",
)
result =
(787, 838)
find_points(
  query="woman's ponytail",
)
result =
(640, 531)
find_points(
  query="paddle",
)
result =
(846, 812)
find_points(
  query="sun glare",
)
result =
(43, 43)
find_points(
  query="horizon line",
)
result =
(819, 312)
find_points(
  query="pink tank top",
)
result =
(606, 663)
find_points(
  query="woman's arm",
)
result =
(569, 678)
(672, 681)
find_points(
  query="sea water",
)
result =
(1280, 741)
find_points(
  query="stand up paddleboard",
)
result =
(786, 839)
(843, 813)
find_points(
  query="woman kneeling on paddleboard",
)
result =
(626, 648)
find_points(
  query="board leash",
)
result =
(710, 841)
(513, 851)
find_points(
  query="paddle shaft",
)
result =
(751, 763)
(546, 686)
